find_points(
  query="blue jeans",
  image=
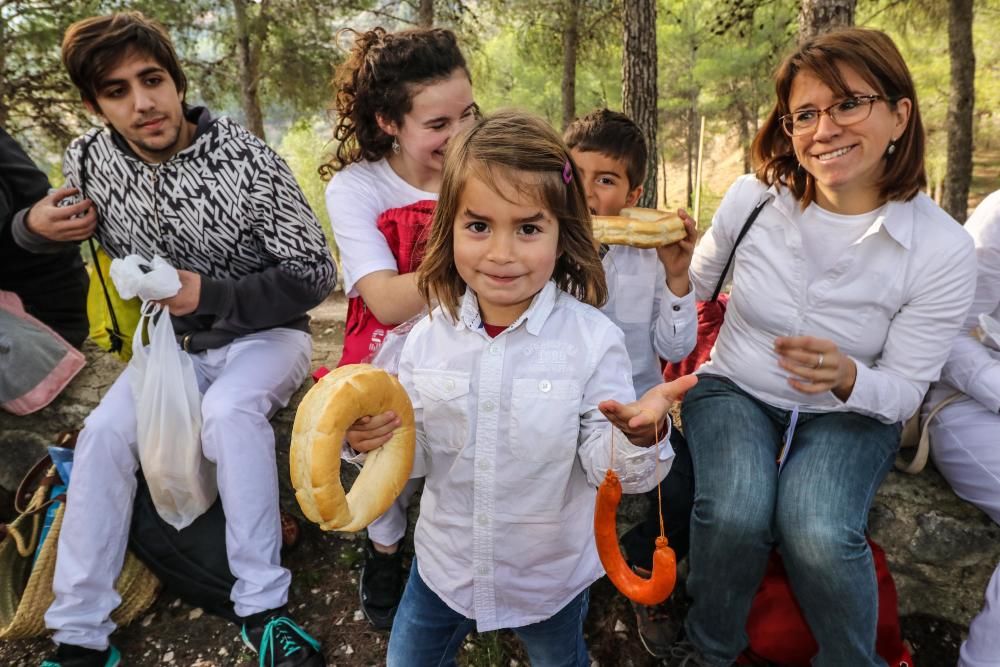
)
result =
(815, 512)
(426, 632)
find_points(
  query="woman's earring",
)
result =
(395, 145)
(892, 148)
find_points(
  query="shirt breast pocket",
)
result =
(634, 298)
(445, 399)
(544, 419)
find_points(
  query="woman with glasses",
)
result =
(846, 287)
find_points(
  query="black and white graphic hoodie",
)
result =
(227, 207)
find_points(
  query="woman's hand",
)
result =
(372, 432)
(642, 420)
(817, 365)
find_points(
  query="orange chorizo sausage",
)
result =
(650, 591)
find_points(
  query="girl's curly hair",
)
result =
(378, 78)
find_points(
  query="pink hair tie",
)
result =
(567, 172)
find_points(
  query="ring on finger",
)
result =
(819, 361)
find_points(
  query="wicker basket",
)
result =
(22, 611)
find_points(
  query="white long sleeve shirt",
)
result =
(973, 368)
(513, 447)
(893, 300)
(656, 323)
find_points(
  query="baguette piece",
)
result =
(639, 227)
(323, 417)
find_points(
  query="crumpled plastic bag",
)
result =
(150, 281)
(181, 480)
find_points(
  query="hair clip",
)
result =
(567, 172)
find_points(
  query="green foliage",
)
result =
(504, 75)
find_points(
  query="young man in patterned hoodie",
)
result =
(166, 179)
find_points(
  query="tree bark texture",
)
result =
(639, 93)
(425, 14)
(819, 16)
(570, 44)
(961, 102)
(248, 47)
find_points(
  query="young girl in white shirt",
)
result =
(505, 376)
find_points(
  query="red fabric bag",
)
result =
(406, 230)
(779, 634)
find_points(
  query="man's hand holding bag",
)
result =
(181, 480)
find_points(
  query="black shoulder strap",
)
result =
(115, 334)
(732, 254)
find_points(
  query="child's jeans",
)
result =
(428, 633)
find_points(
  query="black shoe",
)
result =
(68, 655)
(381, 585)
(658, 625)
(280, 642)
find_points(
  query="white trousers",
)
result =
(965, 444)
(242, 385)
(390, 528)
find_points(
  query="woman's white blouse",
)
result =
(513, 447)
(893, 300)
(973, 367)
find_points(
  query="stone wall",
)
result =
(941, 550)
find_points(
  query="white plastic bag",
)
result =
(135, 277)
(181, 480)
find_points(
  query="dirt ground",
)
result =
(324, 599)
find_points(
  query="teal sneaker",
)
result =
(68, 655)
(280, 642)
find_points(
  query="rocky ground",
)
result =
(325, 566)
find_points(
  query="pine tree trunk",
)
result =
(639, 83)
(425, 14)
(819, 16)
(248, 59)
(955, 198)
(570, 42)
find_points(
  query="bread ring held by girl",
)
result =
(324, 415)
(639, 227)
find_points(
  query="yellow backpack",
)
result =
(113, 320)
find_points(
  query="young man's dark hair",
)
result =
(91, 48)
(613, 134)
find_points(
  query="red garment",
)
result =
(710, 317)
(779, 634)
(406, 230)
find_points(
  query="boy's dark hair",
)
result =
(382, 73)
(93, 46)
(614, 134)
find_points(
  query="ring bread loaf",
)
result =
(324, 415)
(639, 227)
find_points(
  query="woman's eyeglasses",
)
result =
(846, 112)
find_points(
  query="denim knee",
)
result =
(816, 544)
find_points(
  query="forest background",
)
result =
(268, 63)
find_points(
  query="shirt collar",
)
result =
(896, 217)
(534, 317)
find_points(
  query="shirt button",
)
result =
(495, 349)
(484, 465)
(488, 406)
(676, 308)
(483, 570)
(544, 385)
(449, 384)
(483, 519)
